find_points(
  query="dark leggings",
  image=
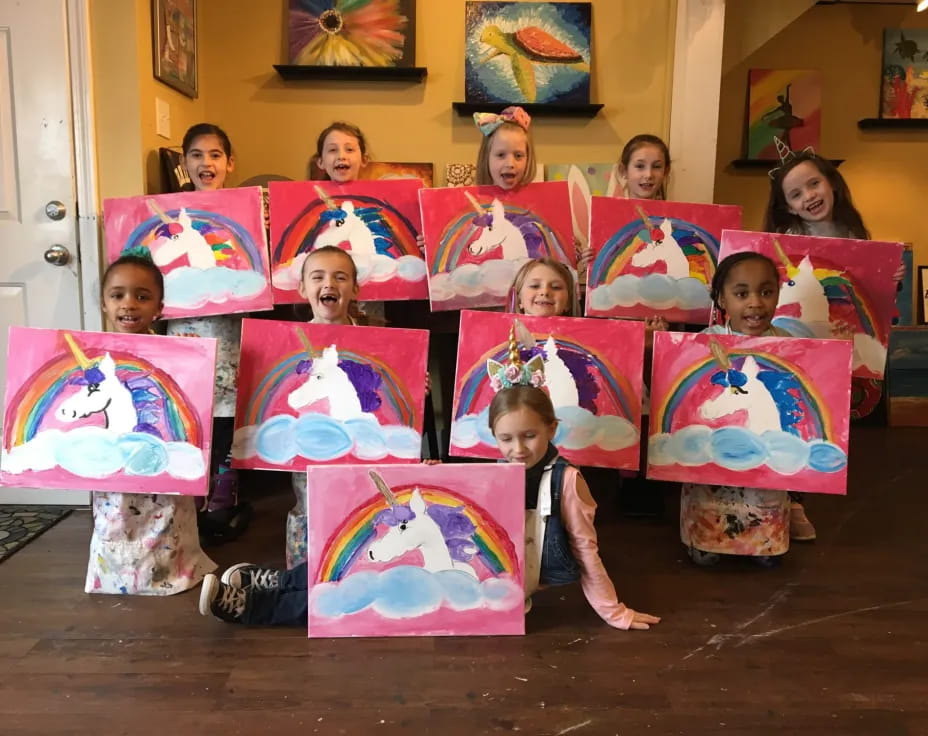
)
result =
(285, 606)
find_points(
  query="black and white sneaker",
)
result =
(222, 601)
(245, 576)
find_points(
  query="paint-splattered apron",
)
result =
(144, 545)
(734, 521)
(297, 531)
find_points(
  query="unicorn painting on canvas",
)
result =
(663, 247)
(175, 238)
(361, 227)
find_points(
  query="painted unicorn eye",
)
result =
(790, 283)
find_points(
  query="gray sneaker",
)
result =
(222, 601)
(245, 576)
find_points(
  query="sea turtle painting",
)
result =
(527, 52)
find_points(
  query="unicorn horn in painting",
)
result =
(524, 337)
(329, 202)
(721, 357)
(383, 488)
(82, 360)
(655, 233)
(307, 345)
(474, 203)
(784, 259)
(153, 205)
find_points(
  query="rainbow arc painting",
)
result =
(477, 238)
(592, 373)
(376, 222)
(104, 411)
(416, 550)
(830, 281)
(759, 412)
(652, 257)
(211, 247)
(310, 394)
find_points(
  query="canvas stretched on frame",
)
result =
(104, 411)
(904, 91)
(652, 257)
(454, 568)
(377, 222)
(593, 374)
(759, 412)
(518, 52)
(477, 238)
(827, 281)
(313, 393)
(211, 247)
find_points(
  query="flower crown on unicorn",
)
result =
(515, 372)
(786, 155)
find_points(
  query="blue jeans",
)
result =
(285, 606)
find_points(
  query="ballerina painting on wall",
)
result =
(377, 222)
(591, 369)
(759, 412)
(654, 257)
(311, 393)
(108, 412)
(416, 550)
(210, 246)
(477, 238)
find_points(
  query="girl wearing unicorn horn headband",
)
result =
(142, 544)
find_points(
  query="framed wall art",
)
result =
(174, 44)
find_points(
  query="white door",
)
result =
(39, 268)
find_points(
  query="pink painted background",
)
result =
(271, 352)
(459, 276)
(823, 371)
(337, 493)
(615, 351)
(296, 228)
(40, 365)
(618, 236)
(241, 281)
(867, 304)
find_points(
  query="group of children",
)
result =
(149, 544)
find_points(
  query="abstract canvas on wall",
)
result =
(760, 412)
(827, 281)
(907, 377)
(375, 221)
(105, 411)
(377, 33)
(211, 247)
(904, 91)
(786, 103)
(477, 238)
(585, 182)
(416, 550)
(527, 52)
(654, 257)
(311, 394)
(592, 372)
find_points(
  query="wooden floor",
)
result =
(832, 642)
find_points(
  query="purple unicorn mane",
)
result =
(144, 392)
(579, 366)
(365, 380)
(527, 225)
(456, 529)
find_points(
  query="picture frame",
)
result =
(923, 295)
(174, 44)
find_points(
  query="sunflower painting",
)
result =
(378, 33)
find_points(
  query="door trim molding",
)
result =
(85, 147)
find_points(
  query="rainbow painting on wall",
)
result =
(310, 394)
(786, 103)
(592, 372)
(759, 412)
(477, 238)
(376, 222)
(652, 257)
(211, 247)
(416, 550)
(104, 411)
(829, 281)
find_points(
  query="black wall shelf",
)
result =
(759, 163)
(358, 73)
(893, 124)
(536, 109)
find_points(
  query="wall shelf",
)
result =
(357, 73)
(766, 165)
(536, 109)
(893, 124)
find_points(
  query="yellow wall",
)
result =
(273, 124)
(885, 170)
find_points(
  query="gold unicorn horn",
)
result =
(514, 357)
(307, 345)
(383, 488)
(718, 352)
(82, 360)
(781, 254)
(329, 202)
(153, 205)
(644, 217)
(473, 200)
